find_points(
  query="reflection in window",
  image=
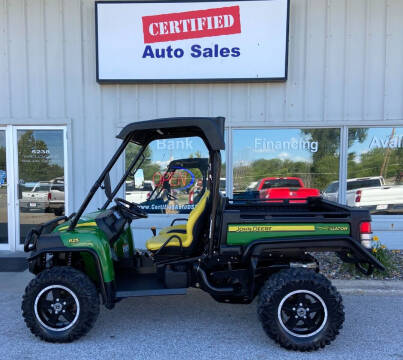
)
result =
(286, 163)
(40, 177)
(3, 190)
(375, 169)
(172, 177)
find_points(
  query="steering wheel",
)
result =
(130, 210)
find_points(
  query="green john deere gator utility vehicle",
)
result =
(233, 249)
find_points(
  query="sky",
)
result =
(248, 145)
(377, 137)
(251, 145)
(163, 151)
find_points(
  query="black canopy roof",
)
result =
(198, 163)
(211, 129)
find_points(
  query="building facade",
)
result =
(336, 123)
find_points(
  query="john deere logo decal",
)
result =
(268, 228)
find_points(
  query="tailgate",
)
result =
(288, 193)
(384, 195)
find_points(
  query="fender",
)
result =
(52, 243)
(323, 243)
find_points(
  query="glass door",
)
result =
(3, 191)
(41, 159)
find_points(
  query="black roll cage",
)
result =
(210, 130)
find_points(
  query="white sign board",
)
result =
(188, 41)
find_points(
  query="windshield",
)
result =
(57, 187)
(281, 183)
(166, 176)
(175, 176)
(332, 188)
(41, 188)
(144, 166)
(365, 183)
(130, 186)
(135, 157)
(178, 182)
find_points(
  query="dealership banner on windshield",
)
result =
(188, 41)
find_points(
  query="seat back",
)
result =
(196, 218)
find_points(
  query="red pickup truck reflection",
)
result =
(272, 188)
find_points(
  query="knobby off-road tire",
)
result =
(300, 309)
(60, 305)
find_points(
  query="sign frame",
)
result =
(186, 81)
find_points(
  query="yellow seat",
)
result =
(168, 229)
(156, 242)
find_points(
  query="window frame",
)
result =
(343, 155)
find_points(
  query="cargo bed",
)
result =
(251, 226)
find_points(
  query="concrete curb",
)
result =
(369, 287)
(11, 261)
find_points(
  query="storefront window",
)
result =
(375, 169)
(286, 163)
(172, 177)
(40, 177)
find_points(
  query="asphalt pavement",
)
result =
(196, 327)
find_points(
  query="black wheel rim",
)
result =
(57, 308)
(302, 313)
